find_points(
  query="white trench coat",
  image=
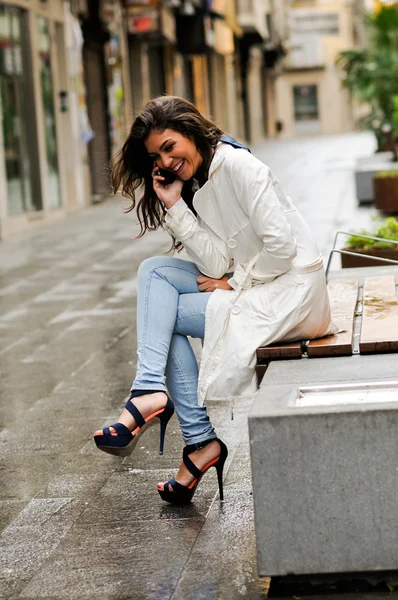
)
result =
(248, 226)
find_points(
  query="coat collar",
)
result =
(218, 158)
(219, 155)
(204, 200)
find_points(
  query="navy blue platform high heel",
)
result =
(125, 441)
(181, 494)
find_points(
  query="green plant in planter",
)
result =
(390, 128)
(371, 75)
(385, 187)
(387, 174)
(387, 228)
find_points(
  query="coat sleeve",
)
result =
(256, 193)
(211, 258)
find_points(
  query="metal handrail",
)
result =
(365, 237)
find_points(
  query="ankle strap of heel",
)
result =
(198, 446)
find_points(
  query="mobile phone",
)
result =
(169, 177)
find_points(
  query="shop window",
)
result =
(16, 102)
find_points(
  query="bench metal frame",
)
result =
(365, 237)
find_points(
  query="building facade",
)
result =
(189, 49)
(106, 83)
(74, 73)
(252, 18)
(35, 135)
(63, 104)
(309, 98)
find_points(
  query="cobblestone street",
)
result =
(80, 524)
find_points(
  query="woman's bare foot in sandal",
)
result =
(147, 405)
(140, 413)
(200, 458)
(196, 463)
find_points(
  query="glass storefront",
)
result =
(47, 94)
(16, 111)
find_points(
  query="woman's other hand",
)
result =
(169, 194)
(207, 284)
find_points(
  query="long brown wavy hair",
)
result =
(132, 166)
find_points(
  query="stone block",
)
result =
(324, 469)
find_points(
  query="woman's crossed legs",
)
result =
(170, 307)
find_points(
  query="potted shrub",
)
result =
(370, 75)
(385, 185)
(387, 229)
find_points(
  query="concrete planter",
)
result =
(368, 167)
(350, 262)
(324, 480)
(386, 193)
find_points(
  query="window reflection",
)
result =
(14, 112)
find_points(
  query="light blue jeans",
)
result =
(170, 307)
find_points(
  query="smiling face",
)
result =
(174, 152)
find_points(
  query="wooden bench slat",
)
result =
(343, 294)
(379, 331)
(288, 350)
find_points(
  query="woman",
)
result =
(238, 220)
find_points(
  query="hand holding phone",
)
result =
(169, 177)
(169, 189)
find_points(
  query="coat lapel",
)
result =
(204, 199)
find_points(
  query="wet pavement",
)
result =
(78, 523)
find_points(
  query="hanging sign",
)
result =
(143, 20)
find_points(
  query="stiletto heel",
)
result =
(164, 419)
(125, 441)
(181, 494)
(220, 468)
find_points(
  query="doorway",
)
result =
(97, 103)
